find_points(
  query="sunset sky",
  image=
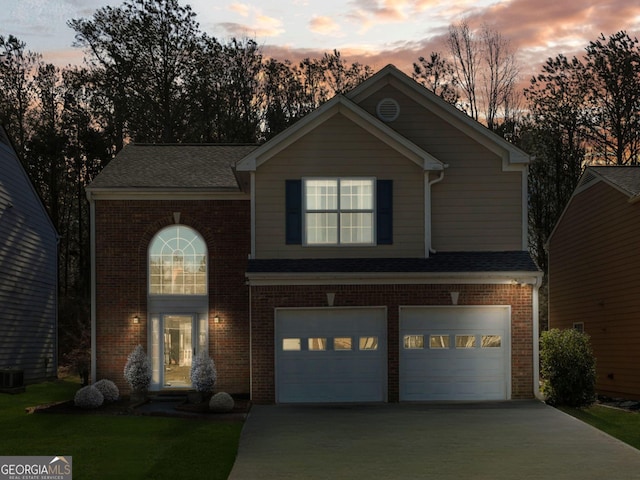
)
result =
(375, 32)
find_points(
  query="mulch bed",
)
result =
(125, 407)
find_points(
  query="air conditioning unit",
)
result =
(11, 380)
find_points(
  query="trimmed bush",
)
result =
(221, 402)
(88, 397)
(137, 371)
(567, 368)
(108, 389)
(203, 373)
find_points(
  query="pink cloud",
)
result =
(323, 25)
(240, 9)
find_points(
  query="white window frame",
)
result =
(338, 211)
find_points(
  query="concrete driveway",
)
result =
(504, 440)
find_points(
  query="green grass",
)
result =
(620, 424)
(116, 447)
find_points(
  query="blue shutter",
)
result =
(293, 220)
(384, 212)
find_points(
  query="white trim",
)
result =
(165, 194)
(253, 214)
(525, 209)
(92, 253)
(535, 299)
(340, 105)
(391, 278)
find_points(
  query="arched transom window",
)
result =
(177, 262)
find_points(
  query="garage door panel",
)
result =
(472, 358)
(343, 370)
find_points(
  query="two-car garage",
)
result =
(336, 355)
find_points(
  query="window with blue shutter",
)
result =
(293, 221)
(339, 211)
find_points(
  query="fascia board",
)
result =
(523, 278)
(513, 158)
(360, 117)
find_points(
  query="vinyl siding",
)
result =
(594, 265)
(338, 148)
(28, 275)
(477, 206)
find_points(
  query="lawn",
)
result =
(116, 447)
(620, 424)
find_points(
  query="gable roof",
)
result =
(626, 179)
(340, 105)
(172, 166)
(511, 155)
(8, 151)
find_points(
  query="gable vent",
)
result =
(388, 110)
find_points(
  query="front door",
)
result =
(178, 350)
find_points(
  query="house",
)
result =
(593, 279)
(375, 251)
(28, 278)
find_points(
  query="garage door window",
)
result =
(291, 344)
(413, 341)
(465, 341)
(491, 341)
(317, 344)
(439, 341)
(368, 343)
(342, 343)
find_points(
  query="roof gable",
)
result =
(625, 179)
(513, 157)
(340, 105)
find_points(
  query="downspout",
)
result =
(427, 211)
(250, 344)
(92, 252)
(253, 214)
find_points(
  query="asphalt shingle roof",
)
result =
(442, 262)
(625, 177)
(173, 166)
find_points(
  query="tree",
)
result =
(464, 51)
(556, 139)
(17, 89)
(499, 75)
(612, 80)
(141, 54)
(436, 74)
(486, 71)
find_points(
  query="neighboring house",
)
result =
(374, 251)
(594, 282)
(28, 276)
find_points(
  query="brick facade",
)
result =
(264, 299)
(124, 229)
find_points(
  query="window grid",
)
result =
(177, 263)
(339, 211)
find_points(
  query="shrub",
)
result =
(137, 371)
(203, 373)
(221, 402)
(108, 389)
(88, 397)
(567, 368)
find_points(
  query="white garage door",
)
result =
(331, 355)
(455, 353)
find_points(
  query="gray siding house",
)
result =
(28, 277)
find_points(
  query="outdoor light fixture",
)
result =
(216, 319)
(136, 319)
